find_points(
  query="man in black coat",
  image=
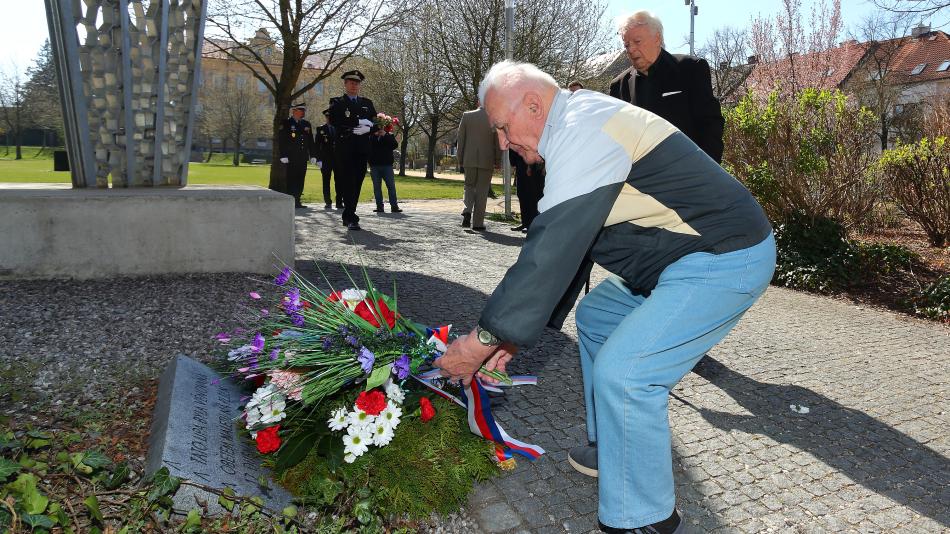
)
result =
(529, 179)
(295, 142)
(675, 87)
(324, 141)
(352, 117)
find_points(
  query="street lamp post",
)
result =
(693, 11)
(505, 162)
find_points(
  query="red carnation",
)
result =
(306, 304)
(276, 332)
(372, 402)
(426, 408)
(336, 296)
(267, 440)
(363, 310)
(259, 380)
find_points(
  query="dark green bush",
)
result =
(884, 259)
(814, 254)
(934, 301)
(917, 178)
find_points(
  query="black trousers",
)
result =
(530, 191)
(328, 196)
(351, 165)
(296, 172)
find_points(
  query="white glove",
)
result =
(320, 165)
(366, 122)
(362, 129)
(284, 160)
(313, 161)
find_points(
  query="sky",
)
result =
(23, 28)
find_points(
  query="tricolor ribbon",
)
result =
(481, 422)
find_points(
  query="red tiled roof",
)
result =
(829, 67)
(930, 49)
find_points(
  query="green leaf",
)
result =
(96, 460)
(58, 514)
(225, 502)
(296, 448)
(363, 511)
(119, 476)
(31, 499)
(37, 521)
(162, 483)
(92, 504)
(378, 377)
(37, 440)
(7, 468)
(290, 512)
(193, 520)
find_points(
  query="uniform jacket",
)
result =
(477, 142)
(624, 189)
(323, 139)
(681, 94)
(345, 115)
(295, 140)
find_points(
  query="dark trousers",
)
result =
(530, 191)
(296, 172)
(326, 171)
(352, 169)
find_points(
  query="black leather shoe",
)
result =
(328, 207)
(396, 209)
(478, 228)
(379, 210)
(518, 228)
(670, 525)
(466, 220)
(353, 226)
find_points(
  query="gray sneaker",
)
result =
(584, 459)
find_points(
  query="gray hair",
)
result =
(643, 18)
(510, 73)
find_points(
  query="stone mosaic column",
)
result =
(128, 73)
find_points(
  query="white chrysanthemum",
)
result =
(359, 418)
(394, 392)
(263, 393)
(252, 417)
(338, 420)
(390, 416)
(240, 352)
(272, 409)
(356, 441)
(349, 458)
(382, 435)
(352, 297)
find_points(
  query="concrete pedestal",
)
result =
(53, 230)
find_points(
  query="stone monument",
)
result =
(195, 435)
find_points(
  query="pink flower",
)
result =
(288, 382)
(254, 295)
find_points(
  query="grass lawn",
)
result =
(35, 170)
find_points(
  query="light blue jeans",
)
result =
(634, 349)
(383, 173)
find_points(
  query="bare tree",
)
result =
(319, 34)
(911, 10)
(13, 111)
(793, 53)
(42, 95)
(237, 112)
(727, 51)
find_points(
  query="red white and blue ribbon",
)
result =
(481, 422)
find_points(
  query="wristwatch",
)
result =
(485, 337)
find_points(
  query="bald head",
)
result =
(517, 97)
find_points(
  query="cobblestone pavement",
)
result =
(869, 456)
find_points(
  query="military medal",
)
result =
(347, 113)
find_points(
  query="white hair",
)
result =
(510, 73)
(643, 18)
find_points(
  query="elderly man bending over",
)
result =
(689, 250)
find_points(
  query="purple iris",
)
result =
(366, 359)
(274, 353)
(353, 341)
(283, 277)
(258, 343)
(327, 343)
(297, 319)
(292, 302)
(223, 337)
(401, 367)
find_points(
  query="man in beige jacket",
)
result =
(477, 152)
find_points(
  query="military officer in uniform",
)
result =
(324, 141)
(352, 117)
(296, 148)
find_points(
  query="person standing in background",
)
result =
(352, 117)
(675, 87)
(529, 180)
(381, 146)
(324, 139)
(477, 153)
(295, 142)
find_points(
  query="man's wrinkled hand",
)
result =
(463, 358)
(498, 362)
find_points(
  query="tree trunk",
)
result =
(210, 150)
(236, 161)
(402, 151)
(433, 141)
(884, 131)
(18, 137)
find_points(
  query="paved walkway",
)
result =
(870, 455)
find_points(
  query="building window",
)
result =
(918, 69)
(261, 87)
(318, 89)
(240, 80)
(944, 66)
(830, 71)
(898, 109)
(217, 80)
(262, 143)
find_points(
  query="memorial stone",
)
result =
(195, 435)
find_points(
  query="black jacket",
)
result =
(323, 138)
(295, 140)
(689, 103)
(381, 149)
(344, 116)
